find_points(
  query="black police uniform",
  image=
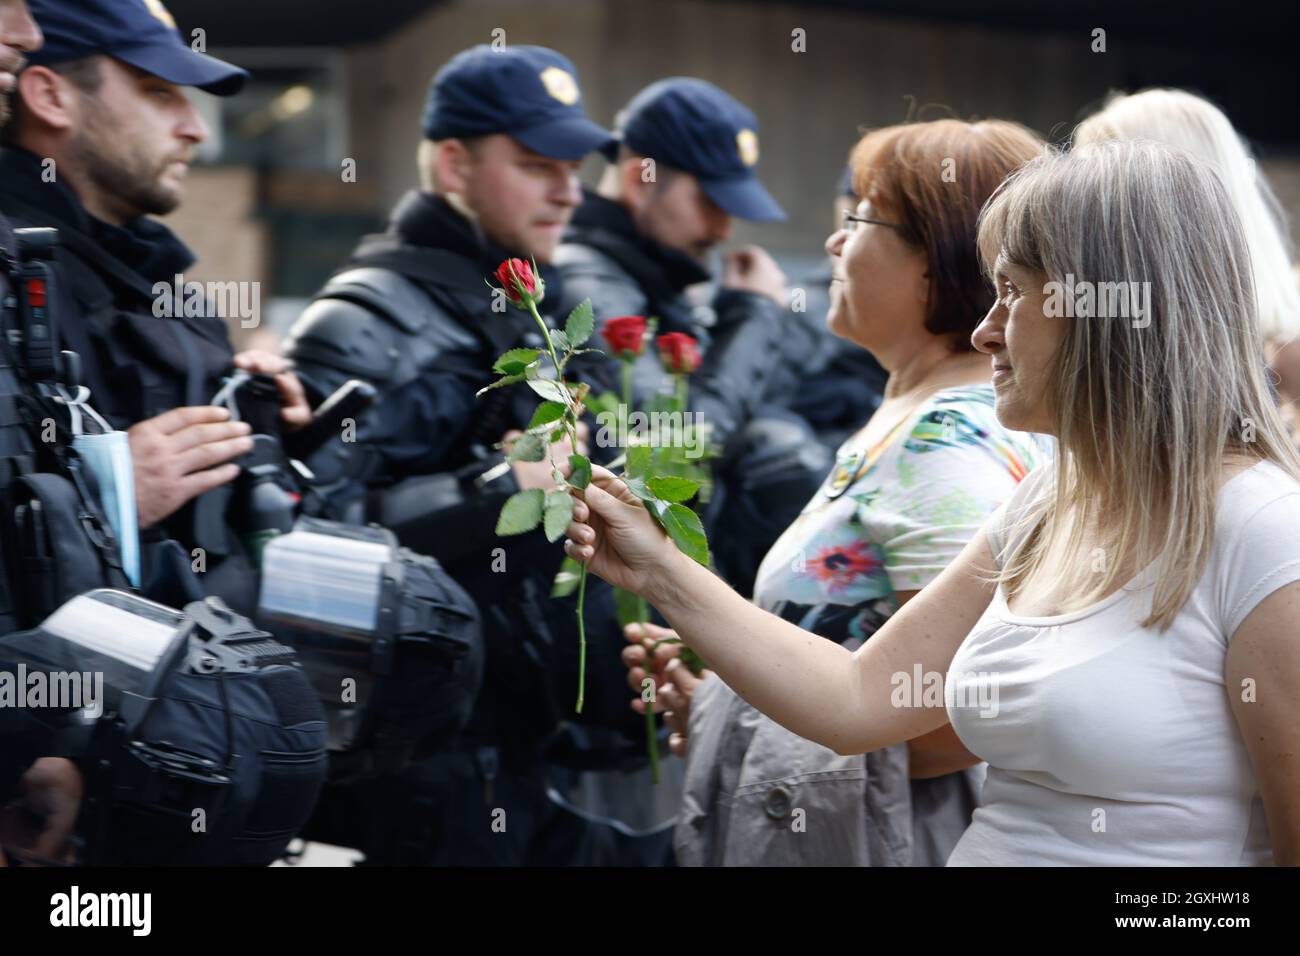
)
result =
(22, 740)
(136, 364)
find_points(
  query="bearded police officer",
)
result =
(101, 139)
(504, 133)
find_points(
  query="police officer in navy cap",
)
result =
(687, 164)
(98, 140)
(101, 139)
(504, 131)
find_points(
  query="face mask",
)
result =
(108, 456)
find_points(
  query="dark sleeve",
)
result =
(449, 515)
(745, 350)
(588, 274)
(416, 426)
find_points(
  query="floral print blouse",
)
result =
(890, 517)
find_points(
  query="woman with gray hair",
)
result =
(1119, 641)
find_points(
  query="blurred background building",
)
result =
(323, 140)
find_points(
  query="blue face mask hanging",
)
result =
(108, 456)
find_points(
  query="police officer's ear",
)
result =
(637, 176)
(453, 162)
(50, 103)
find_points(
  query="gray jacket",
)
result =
(758, 795)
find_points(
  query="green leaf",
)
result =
(580, 473)
(546, 413)
(560, 342)
(500, 383)
(629, 608)
(515, 361)
(566, 579)
(638, 487)
(683, 526)
(522, 512)
(549, 389)
(638, 459)
(694, 661)
(688, 656)
(559, 512)
(580, 323)
(558, 436)
(527, 447)
(673, 489)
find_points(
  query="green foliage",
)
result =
(684, 527)
(546, 413)
(558, 513)
(672, 488)
(527, 447)
(522, 512)
(580, 471)
(580, 324)
(516, 361)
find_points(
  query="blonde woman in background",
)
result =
(1189, 122)
(1119, 643)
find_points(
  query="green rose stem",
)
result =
(570, 425)
(642, 612)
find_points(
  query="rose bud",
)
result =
(520, 284)
(625, 335)
(679, 352)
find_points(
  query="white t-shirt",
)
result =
(1110, 744)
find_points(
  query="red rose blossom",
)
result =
(679, 352)
(625, 335)
(520, 284)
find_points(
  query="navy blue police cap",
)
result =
(528, 92)
(140, 33)
(692, 125)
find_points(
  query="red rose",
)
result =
(625, 335)
(519, 283)
(679, 352)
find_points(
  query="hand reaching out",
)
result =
(674, 683)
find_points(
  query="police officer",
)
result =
(687, 165)
(504, 133)
(101, 139)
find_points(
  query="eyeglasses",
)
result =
(851, 221)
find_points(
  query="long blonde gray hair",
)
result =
(1144, 414)
(1187, 121)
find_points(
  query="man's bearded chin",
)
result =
(130, 180)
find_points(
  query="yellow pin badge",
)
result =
(747, 146)
(560, 85)
(162, 13)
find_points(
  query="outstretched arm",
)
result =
(814, 687)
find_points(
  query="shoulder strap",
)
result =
(454, 282)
